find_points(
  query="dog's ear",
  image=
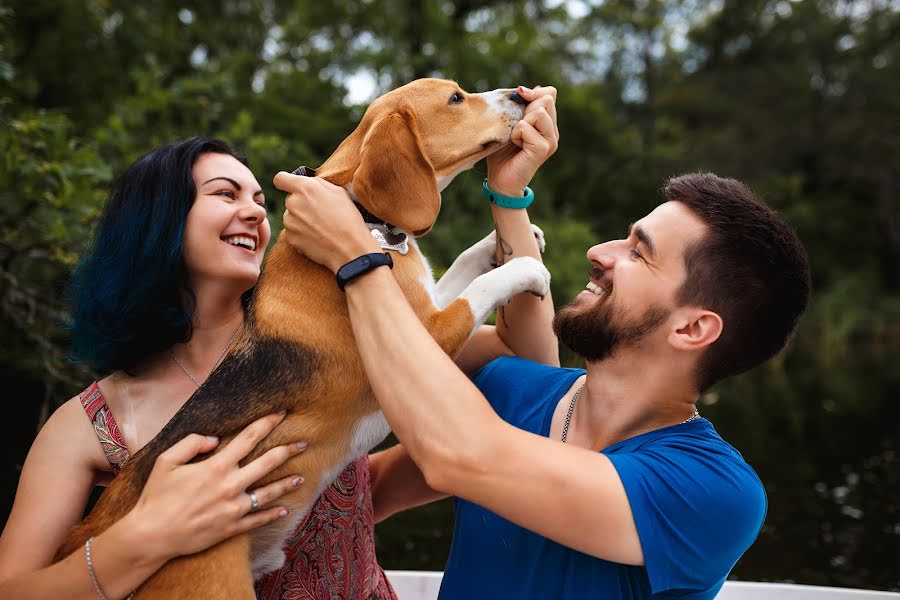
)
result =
(395, 180)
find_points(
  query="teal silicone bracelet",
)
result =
(508, 201)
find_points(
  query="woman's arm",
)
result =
(56, 479)
(184, 508)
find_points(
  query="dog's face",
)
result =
(456, 128)
(413, 140)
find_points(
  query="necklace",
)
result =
(218, 360)
(565, 431)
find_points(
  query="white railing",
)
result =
(424, 585)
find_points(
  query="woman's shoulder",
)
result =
(69, 432)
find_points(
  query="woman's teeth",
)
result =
(241, 241)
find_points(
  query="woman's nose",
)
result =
(253, 212)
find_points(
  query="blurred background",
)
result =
(800, 99)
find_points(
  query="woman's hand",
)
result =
(185, 508)
(534, 139)
(322, 223)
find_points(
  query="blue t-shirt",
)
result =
(697, 507)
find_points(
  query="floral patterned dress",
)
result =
(331, 555)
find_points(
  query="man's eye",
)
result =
(636, 254)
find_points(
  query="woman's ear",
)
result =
(395, 180)
(698, 330)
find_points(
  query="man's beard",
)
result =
(600, 331)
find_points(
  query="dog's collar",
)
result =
(388, 236)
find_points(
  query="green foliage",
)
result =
(51, 188)
(799, 99)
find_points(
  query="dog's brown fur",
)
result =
(297, 350)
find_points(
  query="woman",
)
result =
(157, 301)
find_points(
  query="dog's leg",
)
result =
(453, 326)
(488, 291)
(474, 261)
(219, 573)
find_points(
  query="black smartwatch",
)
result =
(361, 266)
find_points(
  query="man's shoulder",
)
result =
(514, 367)
(705, 468)
(691, 494)
(699, 445)
(520, 390)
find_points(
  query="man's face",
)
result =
(633, 284)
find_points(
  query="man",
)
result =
(643, 499)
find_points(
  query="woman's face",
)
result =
(227, 231)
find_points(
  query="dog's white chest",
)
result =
(370, 431)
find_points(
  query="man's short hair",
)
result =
(750, 268)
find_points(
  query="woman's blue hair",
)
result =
(130, 294)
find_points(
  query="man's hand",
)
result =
(534, 139)
(321, 222)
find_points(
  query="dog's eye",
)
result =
(456, 98)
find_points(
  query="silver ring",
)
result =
(254, 501)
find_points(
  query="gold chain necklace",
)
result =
(565, 431)
(218, 360)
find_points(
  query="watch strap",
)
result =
(362, 265)
(508, 201)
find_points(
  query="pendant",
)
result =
(388, 240)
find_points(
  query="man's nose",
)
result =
(602, 254)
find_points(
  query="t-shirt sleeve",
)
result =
(697, 509)
(495, 380)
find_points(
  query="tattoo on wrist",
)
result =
(503, 250)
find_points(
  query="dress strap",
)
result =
(105, 426)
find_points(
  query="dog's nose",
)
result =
(515, 97)
(304, 171)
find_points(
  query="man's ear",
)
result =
(696, 330)
(395, 180)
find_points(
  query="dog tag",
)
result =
(387, 239)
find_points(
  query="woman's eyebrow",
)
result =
(228, 179)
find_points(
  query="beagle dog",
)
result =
(297, 351)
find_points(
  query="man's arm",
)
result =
(525, 324)
(571, 495)
(568, 494)
(482, 348)
(397, 483)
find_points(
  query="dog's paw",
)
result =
(481, 256)
(539, 237)
(524, 274)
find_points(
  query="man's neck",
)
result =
(630, 394)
